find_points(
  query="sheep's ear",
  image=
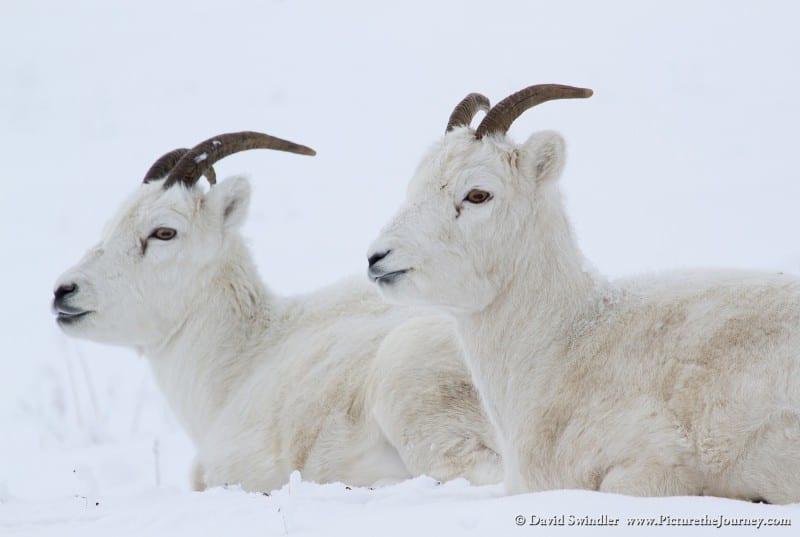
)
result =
(542, 156)
(230, 199)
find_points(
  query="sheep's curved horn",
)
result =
(465, 110)
(167, 161)
(503, 114)
(201, 157)
(164, 165)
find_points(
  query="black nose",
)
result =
(63, 291)
(374, 258)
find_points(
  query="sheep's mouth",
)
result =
(389, 277)
(69, 317)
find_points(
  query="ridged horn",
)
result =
(201, 157)
(167, 161)
(465, 110)
(503, 114)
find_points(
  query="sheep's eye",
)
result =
(478, 196)
(163, 233)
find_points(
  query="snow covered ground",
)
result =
(685, 156)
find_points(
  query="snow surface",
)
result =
(685, 156)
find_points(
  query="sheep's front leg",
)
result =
(421, 395)
(648, 478)
(767, 467)
(435, 448)
(436, 442)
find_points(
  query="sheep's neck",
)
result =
(211, 352)
(509, 344)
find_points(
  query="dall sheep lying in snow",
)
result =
(327, 383)
(686, 384)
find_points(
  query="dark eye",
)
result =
(478, 196)
(163, 233)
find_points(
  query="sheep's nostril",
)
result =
(374, 258)
(64, 290)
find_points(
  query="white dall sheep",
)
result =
(684, 384)
(263, 384)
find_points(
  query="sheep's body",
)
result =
(319, 397)
(643, 392)
(262, 384)
(671, 385)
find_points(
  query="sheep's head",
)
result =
(469, 207)
(155, 254)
